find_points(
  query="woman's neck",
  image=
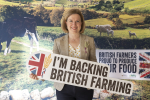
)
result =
(74, 36)
(74, 40)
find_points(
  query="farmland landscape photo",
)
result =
(27, 26)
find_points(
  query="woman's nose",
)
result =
(74, 23)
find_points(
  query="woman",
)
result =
(74, 44)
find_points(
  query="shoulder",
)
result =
(61, 38)
(87, 37)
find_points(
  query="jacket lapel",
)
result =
(82, 47)
(64, 46)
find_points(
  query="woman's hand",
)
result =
(105, 91)
(33, 76)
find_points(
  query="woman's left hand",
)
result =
(105, 91)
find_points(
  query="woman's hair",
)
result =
(65, 17)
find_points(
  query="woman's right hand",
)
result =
(33, 76)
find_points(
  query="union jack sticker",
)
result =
(35, 64)
(144, 65)
(38, 62)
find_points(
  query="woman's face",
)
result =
(74, 23)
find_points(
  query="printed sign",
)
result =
(126, 64)
(78, 72)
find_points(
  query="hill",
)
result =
(98, 21)
(138, 4)
(130, 19)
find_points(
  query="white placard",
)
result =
(126, 64)
(77, 72)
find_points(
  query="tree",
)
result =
(108, 2)
(103, 8)
(119, 23)
(118, 7)
(101, 3)
(55, 16)
(89, 14)
(110, 17)
(113, 15)
(113, 10)
(7, 12)
(41, 15)
(116, 2)
(109, 6)
(131, 12)
(126, 10)
(147, 20)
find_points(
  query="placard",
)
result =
(77, 72)
(126, 64)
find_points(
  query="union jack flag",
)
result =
(36, 63)
(144, 66)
